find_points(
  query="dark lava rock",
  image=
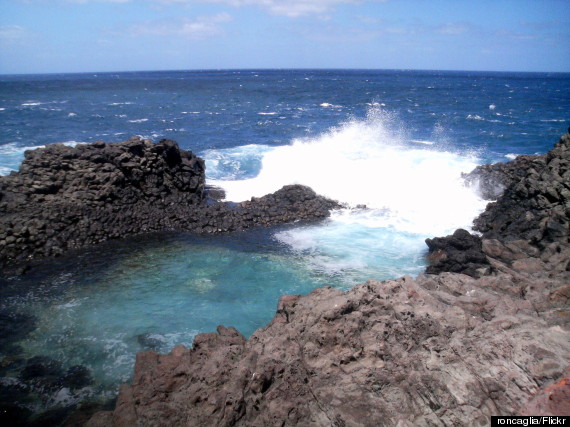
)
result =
(460, 252)
(535, 208)
(214, 193)
(70, 197)
(64, 198)
(492, 180)
(77, 376)
(527, 228)
(13, 328)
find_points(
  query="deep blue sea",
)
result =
(395, 141)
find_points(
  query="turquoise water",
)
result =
(394, 141)
(98, 308)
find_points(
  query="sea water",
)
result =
(389, 145)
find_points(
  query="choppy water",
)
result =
(395, 141)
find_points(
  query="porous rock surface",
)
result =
(443, 349)
(65, 198)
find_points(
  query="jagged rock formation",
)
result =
(66, 198)
(440, 350)
(527, 228)
(491, 180)
(69, 197)
(461, 252)
(445, 349)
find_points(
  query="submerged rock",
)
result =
(14, 327)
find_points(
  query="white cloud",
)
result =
(99, 1)
(453, 28)
(13, 35)
(198, 28)
(290, 8)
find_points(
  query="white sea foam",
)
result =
(368, 162)
(234, 163)
(267, 114)
(422, 141)
(511, 156)
(492, 107)
(327, 105)
(474, 117)
(5, 170)
(138, 121)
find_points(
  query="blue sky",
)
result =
(46, 36)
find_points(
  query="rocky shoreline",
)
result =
(485, 332)
(65, 198)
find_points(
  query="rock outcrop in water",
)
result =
(65, 198)
(527, 228)
(443, 349)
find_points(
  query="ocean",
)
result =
(393, 141)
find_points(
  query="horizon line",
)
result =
(278, 69)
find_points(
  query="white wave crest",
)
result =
(369, 162)
(12, 154)
(474, 117)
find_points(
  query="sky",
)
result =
(56, 36)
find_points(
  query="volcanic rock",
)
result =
(492, 180)
(462, 252)
(438, 350)
(441, 349)
(64, 198)
(526, 228)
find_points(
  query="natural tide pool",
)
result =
(97, 308)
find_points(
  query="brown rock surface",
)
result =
(553, 400)
(438, 350)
